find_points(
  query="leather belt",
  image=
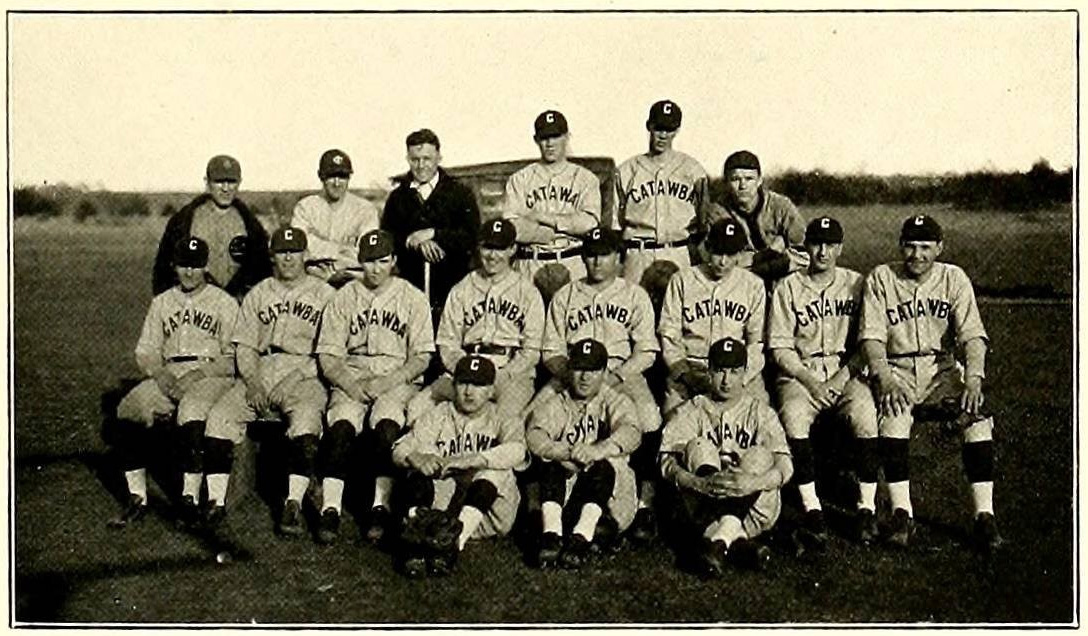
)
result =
(187, 358)
(651, 244)
(273, 349)
(488, 349)
(528, 253)
(916, 354)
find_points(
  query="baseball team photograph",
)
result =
(543, 319)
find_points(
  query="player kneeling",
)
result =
(462, 456)
(584, 435)
(727, 455)
(184, 351)
(374, 345)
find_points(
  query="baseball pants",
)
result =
(303, 408)
(757, 511)
(558, 481)
(390, 405)
(930, 384)
(146, 400)
(798, 410)
(450, 493)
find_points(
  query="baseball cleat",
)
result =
(442, 563)
(551, 544)
(213, 516)
(133, 512)
(902, 528)
(188, 513)
(644, 527)
(380, 518)
(867, 530)
(576, 552)
(986, 537)
(813, 530)
(328, 527)
(414, 566)
(749, 555)
(711, 559)
(291, 519)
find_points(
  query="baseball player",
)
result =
(494, 312)
(775, 229)
(707, 302)
(237, 242)
(915, 314)
(583, 436)
(185, 354)
(811, 330)
(619, 314)
(660, 197)
(552, 203)
(374, 344)
(462, 456)
(274, 342)
(727, 455)
(333, 220)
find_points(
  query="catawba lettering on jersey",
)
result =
(501, 307)
(563, 194)
(198, 319)
(465, 443)
(709, 307)
(919, 308)
(645, 190)
(577, 318)
(816, 309)
(385, 318)
(303, 311)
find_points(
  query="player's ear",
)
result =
(940, 248)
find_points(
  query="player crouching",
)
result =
(727, 455)
(462, 456)
(584, 435)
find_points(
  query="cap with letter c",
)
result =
(727, 353)
(474, 369)
(550, 123)
(921, 227)
(288, 239)
(726, 237)
(191, 252)
(334, 163)
(664, 115)
(601, 241)
(498, 234)
(223, 168)
(375, 244)
(823, 229)
(587, 355)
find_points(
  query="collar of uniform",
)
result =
(809, 282)
(702, 275)
(596, 291)
(554, 169)
(900, 270)
(482, 282)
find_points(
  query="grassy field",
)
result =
(80, 294)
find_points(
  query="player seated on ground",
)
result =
(333, 220)
(727, 455)
(461, 458)
(705, 303)
(915, 314)
(185, 354)
(583, 437)
(494, 312)
(374, 344)
(811, 333)
(619, 314)
(274, 349)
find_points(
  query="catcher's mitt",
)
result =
(433, 530)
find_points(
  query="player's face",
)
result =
(719, 264)
(743, 184)
(222, 192)
(495, 261)
(586, 384)
(423, 162)
(470, 398)
(919, 256)
(726, 383)
(602, 267)
(823, 256)
(553, 149)
(377, 271)
(190, 278)
(289, 265)
(661, 140)
(336, 186)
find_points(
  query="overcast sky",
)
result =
(142, 101)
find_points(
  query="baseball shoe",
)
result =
(328, 527)
(414, 566)
(575, 553)
(902, 528)
(551, 544)
(188, 513)
(133, 512)
(986, 537)
(443, 563)
(644, 527)
(867, 530)
(291, 519)
(748, 554)
(607, 539)
(711, 559)
(380, 519)
(813, 530)
(213, 516)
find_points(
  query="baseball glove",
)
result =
(701, 456)
(655, 280)
(443, 532)
(549, 279)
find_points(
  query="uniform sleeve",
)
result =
(702, 200)
(873, 323)
(619, 203)
(623, 422)
(247, 330)
(228, 319)
(793, 229)
(681, 428)
(753, 330)
(304, 218)
(555, 329)
(781, 322)
(588, 215)
(332, 333)
(149, 346)
(771, 435)
(670, 327)
(533, 336)
(451, 328)
(421, 438)
(510, 452)
(965, 314)
(421, 333)
(546, 422)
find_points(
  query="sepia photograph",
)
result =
(543, 318)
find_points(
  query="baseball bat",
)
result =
(427, 280)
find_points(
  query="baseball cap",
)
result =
(726, 237)
(288, 239)
(920, 228)
(191, 252)
(742, 159)
(375, 244)
(473, 369)
(600, 241)
(727, 353)
(587, 355)
(823, 230)
(223, 168)
(550, 123)
(498, 234)
(334, 163)
(664, 115)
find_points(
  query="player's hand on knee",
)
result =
(257, 396)
(583, 455)
(462, 463)
(972, 399)
(166, 380)
(426, 463)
